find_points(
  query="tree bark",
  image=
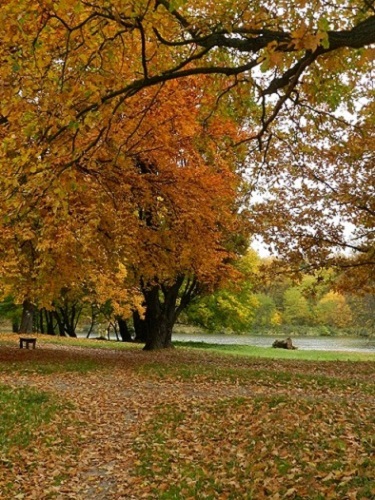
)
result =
(50, 327)
(67, 317)
(140, 327)
(125, 333)
(41, 321)
(160, 337)
(94, 316)
(161, 313)
(27, 319)
(60, 324)
(45, 322)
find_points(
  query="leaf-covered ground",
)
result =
(186, 424)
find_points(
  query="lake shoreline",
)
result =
(344, 344)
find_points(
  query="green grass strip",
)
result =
(22, 412)
(269, 352)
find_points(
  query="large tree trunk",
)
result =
(161, 314)
(27, 319)
(160, 337)
(163, 305)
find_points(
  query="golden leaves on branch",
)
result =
(304, 38)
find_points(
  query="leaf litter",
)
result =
(180, 424)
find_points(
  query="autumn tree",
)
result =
(74, 73)
(187, 195)
(363, 313)
(57, 245)
(320, 209)
(234, 307)
(333, 310)
(165, 209)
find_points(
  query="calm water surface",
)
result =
(358, 344)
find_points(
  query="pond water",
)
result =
(357, 344)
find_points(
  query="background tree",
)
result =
(333, 310)
(296, 308)
(319, 208)
(9, 311)
(363, 313)
(234, 307)
(266, 315)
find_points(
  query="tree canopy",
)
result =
(68, 67)
(114, 117)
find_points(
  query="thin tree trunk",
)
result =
(50, 327)
(125, 333)
(115, 329)
(68, 319)
(94, 315)
(60, 324)
(41, 321)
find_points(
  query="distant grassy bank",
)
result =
(269, 352)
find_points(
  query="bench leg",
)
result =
(27, 343)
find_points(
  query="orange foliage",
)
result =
(157, 197)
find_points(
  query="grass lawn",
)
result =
(270, 352)
(90, 419)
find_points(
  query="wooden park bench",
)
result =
(27, 342)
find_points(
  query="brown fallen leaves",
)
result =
(182, 424)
